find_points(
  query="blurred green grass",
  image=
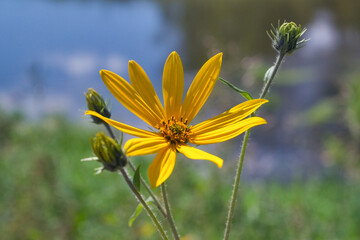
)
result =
(47, 193)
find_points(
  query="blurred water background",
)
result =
(52, 50)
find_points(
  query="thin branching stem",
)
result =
(107, 126)
(236, 186)
(168, 212)
(148, 189)
(267, 85)
(143, 202)
(235, 190)
(146, 186)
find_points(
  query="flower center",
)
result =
(175, 131)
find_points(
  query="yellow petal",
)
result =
(227, 132)
(141, 83)
(173, 85)
(123, 127)
(162, 166)
(144, 146)
(229, 117)
(201, 87)
(194, 153)
(129, 97)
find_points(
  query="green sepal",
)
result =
(136, 178)
(243, 93)
(138, 210)
(121, 139)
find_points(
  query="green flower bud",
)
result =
(285, 38)
(96, 103)
(108, 151)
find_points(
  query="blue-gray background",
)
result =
(52, 50)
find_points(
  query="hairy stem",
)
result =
(148, 189)
(107, 126)
(236, 186)
(145, 205)
(235, 189)
(168, 212)
(267, 85)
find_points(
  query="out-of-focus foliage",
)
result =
(336, 120)
(47, 193)
(342, 145)
(229, 26)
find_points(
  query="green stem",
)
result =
(148, 189)
(277, 64)
(107, 126)
(168, 212)
(143, 202)
(235, 189)
(236, 186)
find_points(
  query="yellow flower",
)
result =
(172, 121)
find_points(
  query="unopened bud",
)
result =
(285, 38)
(96, 103)
(108, 151)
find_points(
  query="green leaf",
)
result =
(136, 178)
(245, 94)
(268, 74)
(138, 210)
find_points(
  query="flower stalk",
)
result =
(113, 159)
(110, 154)
(285, 40)
(144, 184)
(273, 72)
(143, 202)
(168, 212)
(235, 190)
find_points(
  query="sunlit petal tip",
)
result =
(263, 101)
(174, 56)
(255, 102)
(89, 112)
(106, 75)
(132, 63)
(103, 71)
(133, 66)
(217, 57)
(173, 53)
(219, 162)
